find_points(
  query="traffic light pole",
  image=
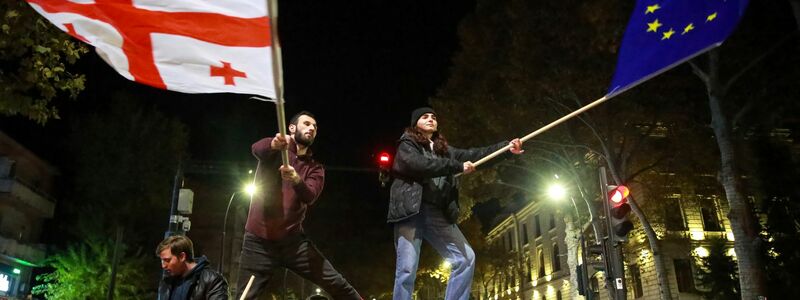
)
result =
(615, 276)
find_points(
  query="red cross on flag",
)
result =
(190, 46)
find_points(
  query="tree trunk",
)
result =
(658, 261)
(796, 11)
(747, 244)
(571, 239)
(114, 264)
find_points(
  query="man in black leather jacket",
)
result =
(423, 203)
(187, 277)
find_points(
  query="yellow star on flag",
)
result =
(688, 28)
(711, 17)
(653, 27)
(668, 34)
(652, 9)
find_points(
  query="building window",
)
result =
(594, 286)
(538, 231)
(636, 278)
(710, 219)
(558, 295)
(683, 275)
(541, 263)
(556, 261)
(552, 221)
(510, 241)
(673, 217)
(525, 233)
(528, 268)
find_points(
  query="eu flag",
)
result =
(664, 33)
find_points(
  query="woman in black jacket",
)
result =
(423, 203)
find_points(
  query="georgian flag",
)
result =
(190, 46)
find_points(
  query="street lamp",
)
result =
(556, 192)
(250, 189)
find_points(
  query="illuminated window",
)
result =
(528, 267)
(636, 278)
(683, 275)
(510, 241)
(525, 233)
(710, 219)
(541, 263)
(556, 261)
(673, 216)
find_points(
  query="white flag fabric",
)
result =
(189, 46)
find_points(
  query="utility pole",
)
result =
(172, 227)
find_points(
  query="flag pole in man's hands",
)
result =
(277, 73)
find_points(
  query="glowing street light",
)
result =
(250, 189)
(556, 192)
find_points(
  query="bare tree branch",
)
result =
(649, 167)
(741, 113)
(699, 71)
(758, 59)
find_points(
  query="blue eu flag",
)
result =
(664, 33)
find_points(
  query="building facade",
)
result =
(535, 235)
(685, 227)
(27, 184)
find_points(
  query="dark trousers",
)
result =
(297, 253)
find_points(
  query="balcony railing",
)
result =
(29, 254)
(25, 194)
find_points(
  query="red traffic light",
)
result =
(384, 160)
(617, 194)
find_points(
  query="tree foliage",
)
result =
(82, 271)
(776, 176)
(125, 157)
(718, 274)
(35, 60)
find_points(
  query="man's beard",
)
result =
(302, 140)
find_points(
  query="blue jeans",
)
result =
(430, 224)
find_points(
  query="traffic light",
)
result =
(618, 209)
(384, 165)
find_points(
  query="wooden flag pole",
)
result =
(277, 72)
(247, 288)
(543, 129)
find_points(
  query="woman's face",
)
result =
(427, 123)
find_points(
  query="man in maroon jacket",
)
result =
(274, 234)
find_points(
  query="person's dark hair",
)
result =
(439, 141)
(293, 120)
(177, 244)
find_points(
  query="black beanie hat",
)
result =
(417, 113)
